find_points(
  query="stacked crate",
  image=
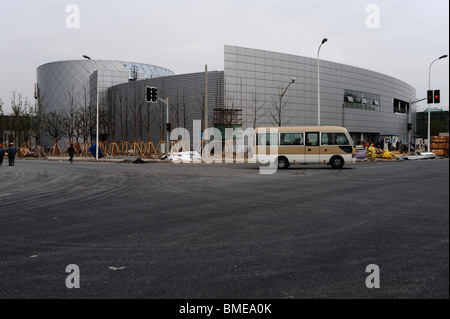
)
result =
(439, 145)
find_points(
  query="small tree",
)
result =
(255, 109)
(2, 122)
(38, 119)
(56, 127)
(278, 109)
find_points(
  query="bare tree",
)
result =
(70, 116)
(148, 119)
(112, 106)
(38, 118)
(278, 108)
(87, 116)
(135, 105)
(20, 119)
(2, 122)
(255, 109)
(184, 103)
(56, 125)
(78, 125)
(231, 115)
(161, 111)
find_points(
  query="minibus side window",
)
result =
(312, 139)
(291, 138)
(266, 139)
(335, 139)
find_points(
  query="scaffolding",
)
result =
(227, 118)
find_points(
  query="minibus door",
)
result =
(312, 148)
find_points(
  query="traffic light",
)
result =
(437, 96)
(409, 126)
(154, 94)
(151, 94)
(168, 127)
(430, 96)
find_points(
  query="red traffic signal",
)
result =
(437, 96)
(430, 96)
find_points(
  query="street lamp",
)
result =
(281, 97)
(96, 137)
(318, 82)
(429, 88)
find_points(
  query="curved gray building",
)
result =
(369, 104)
(60, 83)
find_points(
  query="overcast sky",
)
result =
(397, 38)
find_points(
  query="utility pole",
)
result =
(168, 125)
(206, 99)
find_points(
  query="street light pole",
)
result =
(281, 98)
(409, 121)
(429, 114)
(318, 82)
(98, 75)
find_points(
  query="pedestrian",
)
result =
(2, 154)
(71, 151)
(11, 154)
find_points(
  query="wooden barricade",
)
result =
(56, 149)
(126, 147)
(138, 148)
(177, 146)
(150, 149)
(40, 151)
(103, 147)
(85, 149)
(113, 149)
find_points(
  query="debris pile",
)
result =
(183, 156)
(373, 152)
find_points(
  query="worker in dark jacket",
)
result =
(11, 154)
(71, 151)
(2, 154)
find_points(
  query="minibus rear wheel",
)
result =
(283, 162)
(337, 162)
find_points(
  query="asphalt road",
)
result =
(198, 231)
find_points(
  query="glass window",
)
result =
(361, 100)
(335, 139)
(266, 139)
(291, 139)
(312, 139)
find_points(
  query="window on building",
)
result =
(361, 100)
(400, 106)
